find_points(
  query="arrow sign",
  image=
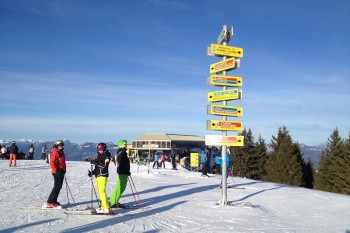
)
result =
(223, 50)
(219, 140)
(231, 94)
(224, 125)
(224, 110)
(222, 80)
(227, 64)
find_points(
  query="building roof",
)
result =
(168, 137)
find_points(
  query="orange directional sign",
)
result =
(227, 64)
(223, 80)
(224, 110)
(224, 125)
(230, 94)
(219, 140)
(223, 50)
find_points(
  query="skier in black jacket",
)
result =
(13, 153)
(101, 163)
(123, 170)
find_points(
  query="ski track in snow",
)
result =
(175, 201)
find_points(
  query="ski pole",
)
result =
(141, 204)
(92, 184)
(68, 188)
(132, 190)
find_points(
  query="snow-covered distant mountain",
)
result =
(312, 152)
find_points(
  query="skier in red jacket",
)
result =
(58, 167)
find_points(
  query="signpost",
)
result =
(228, 64)
(224, 125)
(230, 60)
(219, 140)
(230, 94)
(224, 110)
(222, 80)
(221, 50)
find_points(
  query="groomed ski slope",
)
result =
(176, 201)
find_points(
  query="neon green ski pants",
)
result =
(101, 183)
(119, 189)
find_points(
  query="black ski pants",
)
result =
(58, 182)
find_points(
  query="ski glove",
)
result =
(90, 173)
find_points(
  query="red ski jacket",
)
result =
(57, 160)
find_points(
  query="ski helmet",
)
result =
(101, 146)
(121, 144)
(59, 143)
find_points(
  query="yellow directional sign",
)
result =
(223, 80)
(227, 64)
(194, 159)
(223, 50)
(219, 140)
(224, 110)
(224, 125)
(230, 94)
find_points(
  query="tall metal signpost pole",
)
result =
(221, 49)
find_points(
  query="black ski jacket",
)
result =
(14, 149)
(101, 163)
(123, 162)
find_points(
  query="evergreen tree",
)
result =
(242, 155)
(284, 164)
(341, 169)
(326, 178)
(309, 174)
(257, 166)
(322, 173)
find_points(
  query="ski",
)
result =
(41, 208)
(44, 207)
(88, 213)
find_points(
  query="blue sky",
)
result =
(107, 70)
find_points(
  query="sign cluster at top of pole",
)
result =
(230, 91)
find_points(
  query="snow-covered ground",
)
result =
(176, 201)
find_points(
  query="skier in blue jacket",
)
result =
(156, 159)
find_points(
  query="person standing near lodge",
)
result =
(156, 160)
(205, 160)
(101, 163)
(58, 167)
(13, 153)
(123, 170)
(31, 152)
(173, 157)
(162, 160)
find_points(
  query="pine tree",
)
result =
(326, 177)
(341, 169)
(258, 171)
(346, 166)
(309, 174)
(242, 155)
(284, 164)
(322, 173)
